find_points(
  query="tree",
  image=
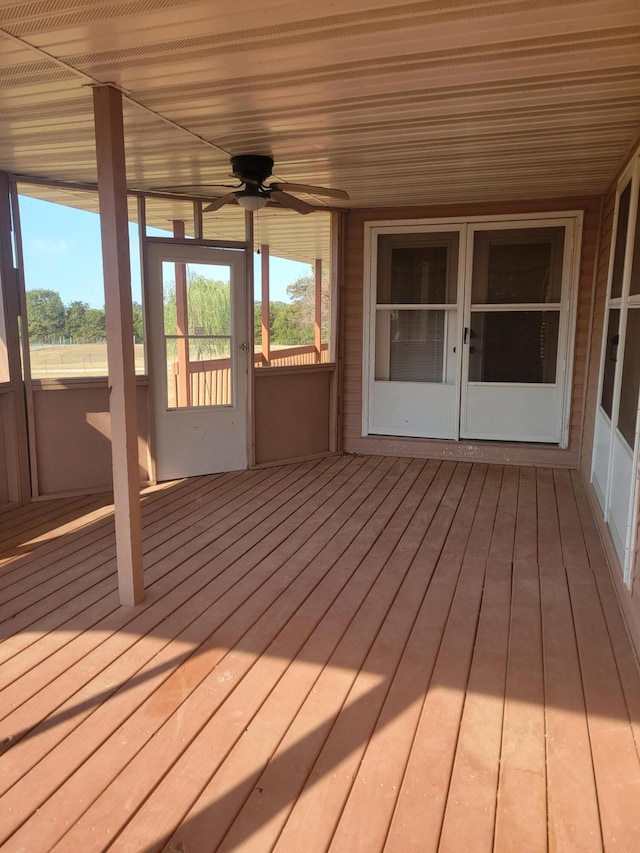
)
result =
(257, 323)
(45, 315)
(75, 320)
(208, 314)
(94, 325)
(293, 323)
(169, 304)
(209, 305)
(288, 325)
(138, 323)
(84, 324)
(302, 293)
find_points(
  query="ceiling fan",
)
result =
(252, 193)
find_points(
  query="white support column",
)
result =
(112, 192)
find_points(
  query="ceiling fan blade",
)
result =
(185, 187)
(220, 202)
(291, 201)
(309, 188)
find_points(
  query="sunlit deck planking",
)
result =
(354, 653)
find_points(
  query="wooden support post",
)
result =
(9, 350)
(198, 228)
(182, 324)
(249, 324)
(148, 356)
(114, 226)
(13, 412)
(318, 311)
(266, 323)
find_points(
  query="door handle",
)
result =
(467, 330)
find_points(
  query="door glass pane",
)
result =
(410, 346)
(417, 269)
(197, 330)
(630, 379)
(517, 266)
(513, 346)
(610, 358)
(621, 241)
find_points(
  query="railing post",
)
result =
(266, 320)
(318, 310)
(182, 324)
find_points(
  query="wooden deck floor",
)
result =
(354, 654)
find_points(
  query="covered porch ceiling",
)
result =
(398, 104)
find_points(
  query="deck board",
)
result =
(521, 816)
(469, 821)
(572, 798)
(344, 554)
(613, 746)
(114, 618)
(136, 646)
(355, 653)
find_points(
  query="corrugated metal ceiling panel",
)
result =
(399, 104)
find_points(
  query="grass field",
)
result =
(61, 361)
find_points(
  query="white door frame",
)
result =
(566, 332)
(572, 220)
(609, 448)
(445, 430)
(206, 439)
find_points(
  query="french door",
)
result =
(469, 329)
(415, 330)
(615, 453)
(199, 356)
(515, 331)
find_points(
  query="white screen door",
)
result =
(469, 329)
(413, 387)
(514, 335)
(199, 353)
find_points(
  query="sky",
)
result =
(62, 252)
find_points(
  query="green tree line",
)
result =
(49, 320)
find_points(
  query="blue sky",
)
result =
(61, 247)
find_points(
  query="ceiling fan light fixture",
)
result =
(251, 199)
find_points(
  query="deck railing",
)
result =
(209, 382)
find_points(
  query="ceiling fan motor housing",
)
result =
(254, 168)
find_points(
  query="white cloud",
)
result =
(51, 247)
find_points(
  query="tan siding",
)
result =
(353, 343)
(292, 412)
(6, 404)
(72, 429)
